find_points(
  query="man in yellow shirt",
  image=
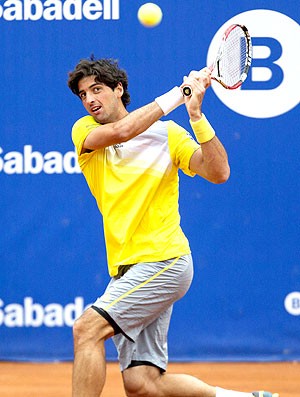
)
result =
(131, 162)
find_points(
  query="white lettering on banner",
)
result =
(34, 162)
(32, 314)
(56, 10)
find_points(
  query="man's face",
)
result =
(100, 101)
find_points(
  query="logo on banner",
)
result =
(56, 10)
(272, 87)
(292, 303)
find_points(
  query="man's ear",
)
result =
(119, 90)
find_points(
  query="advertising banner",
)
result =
(244, 302)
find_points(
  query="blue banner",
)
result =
(244, 303)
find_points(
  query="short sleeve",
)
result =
(81, 130)
(182, 146)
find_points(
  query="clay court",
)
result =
(54, 380)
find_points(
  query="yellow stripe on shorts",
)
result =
(142, 284)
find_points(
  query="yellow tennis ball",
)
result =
(150, 15)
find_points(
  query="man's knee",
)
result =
(138, 388)
(91, 327)
(139, 383)
(79, 331)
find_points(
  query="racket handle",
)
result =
(187, 90)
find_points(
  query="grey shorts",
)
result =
(138, 304)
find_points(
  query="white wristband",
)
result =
(170, 100)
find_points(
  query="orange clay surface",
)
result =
(54, 380)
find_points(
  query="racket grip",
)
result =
(187, 90)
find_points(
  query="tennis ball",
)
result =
(150, 15)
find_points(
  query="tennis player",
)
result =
(131, 162)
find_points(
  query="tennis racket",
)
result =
(233, 59)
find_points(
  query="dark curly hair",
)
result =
(106, 71)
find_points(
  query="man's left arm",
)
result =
(210, 161)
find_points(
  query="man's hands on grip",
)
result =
(199, 81)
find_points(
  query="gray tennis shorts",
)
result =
(138, 304)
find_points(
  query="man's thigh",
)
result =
(145, 291)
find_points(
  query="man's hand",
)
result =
(199, 81)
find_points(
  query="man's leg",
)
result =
(147, 381)
(89, 369)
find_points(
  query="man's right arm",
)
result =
(134, 123)
(128, 127)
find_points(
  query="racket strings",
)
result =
(232, 62)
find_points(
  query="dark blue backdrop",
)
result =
(244, 303)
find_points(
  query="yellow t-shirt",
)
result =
(135, 184)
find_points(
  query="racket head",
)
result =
(233, 60)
